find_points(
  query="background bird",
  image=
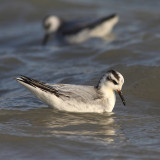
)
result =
(77, 31)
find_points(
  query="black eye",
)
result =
(114, 82)
(47, 26)
(109, 79)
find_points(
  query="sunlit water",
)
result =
(31, 130)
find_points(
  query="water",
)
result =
(31, 130)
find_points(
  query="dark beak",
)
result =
(45, 39)
(121, 96)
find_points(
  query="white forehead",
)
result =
(121, 79)
(54, 21)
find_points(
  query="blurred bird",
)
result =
(77, 31)
(78, 98)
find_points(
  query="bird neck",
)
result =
(109, 97)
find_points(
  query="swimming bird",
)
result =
(77, 31)
(78, 98)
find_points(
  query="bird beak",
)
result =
(45, 39)
(121, 96)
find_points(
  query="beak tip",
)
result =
(45, 39)
(122, 98)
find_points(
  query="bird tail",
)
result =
(37, 84)
(107, 18)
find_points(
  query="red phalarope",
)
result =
(77, 31)
(78, 98)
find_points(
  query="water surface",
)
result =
(31, 130)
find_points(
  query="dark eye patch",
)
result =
(109, 79)
(47, 26)
(114, 82)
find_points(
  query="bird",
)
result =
(78, 98)
(77, 31)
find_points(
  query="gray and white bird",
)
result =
(77, 31)
(78, 98)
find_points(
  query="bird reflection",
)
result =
(87, 127)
